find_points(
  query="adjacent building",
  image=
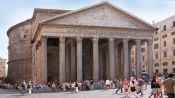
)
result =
(93, 42)
(163, 49)
(3, 68)
(164, 46)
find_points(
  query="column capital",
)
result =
(138, 42)
(44, 38)
(111, 40)
(150, 42)
(62, 40)
(95, 39)
(79, 39)
(125, 40)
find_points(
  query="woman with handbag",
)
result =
(133, 84)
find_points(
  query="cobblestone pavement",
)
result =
(83, 94)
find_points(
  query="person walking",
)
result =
(76, 87)
(153, 87)
(159, 87)
(119, 85)
(23, 85)
(29, 88)
(126, 87)
(140, 86)
(133, 86)
(169, 86)
(107, 84)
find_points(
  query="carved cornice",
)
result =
(49, 11)
(51, 26)
(92, 27)
(21, 59)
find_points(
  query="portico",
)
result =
(81, 45)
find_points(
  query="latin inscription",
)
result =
(104, 33)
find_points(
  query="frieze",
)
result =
(101, 33)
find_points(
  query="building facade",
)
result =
(164, 46)
(89, 43)
(3, 68)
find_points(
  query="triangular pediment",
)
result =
(103, 14)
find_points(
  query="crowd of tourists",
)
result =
(160, 85)
(4, 85)
(131, 88)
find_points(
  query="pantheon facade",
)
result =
(93, 42)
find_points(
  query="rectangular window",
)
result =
(165, 70)
(156, 64)
(164, 54)
(156, 46)
(172, 33)
(165, 63)
(143, 49)
(164, 43)
(164, 27)
(164, 36)
(156, 31)
(156, 56)
(173, 40)
(173, 70)
(173, 23)
(155, 39)
(24, 36)
(173, 62)
(156, 71)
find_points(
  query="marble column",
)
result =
(79, 60)
(95, 59)
(106, 59)
(138, 58)
(44, 58)
(101, 69)
(73, 62)
(129, 60)
(116, 60)
(126, 58)
(150, 58)
(61, 59)
(67, 62)
(40, 63)
(111, 58)
(38, 67)
(35, 62)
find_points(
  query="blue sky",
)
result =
(15, 11)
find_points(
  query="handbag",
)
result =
(133, 89)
